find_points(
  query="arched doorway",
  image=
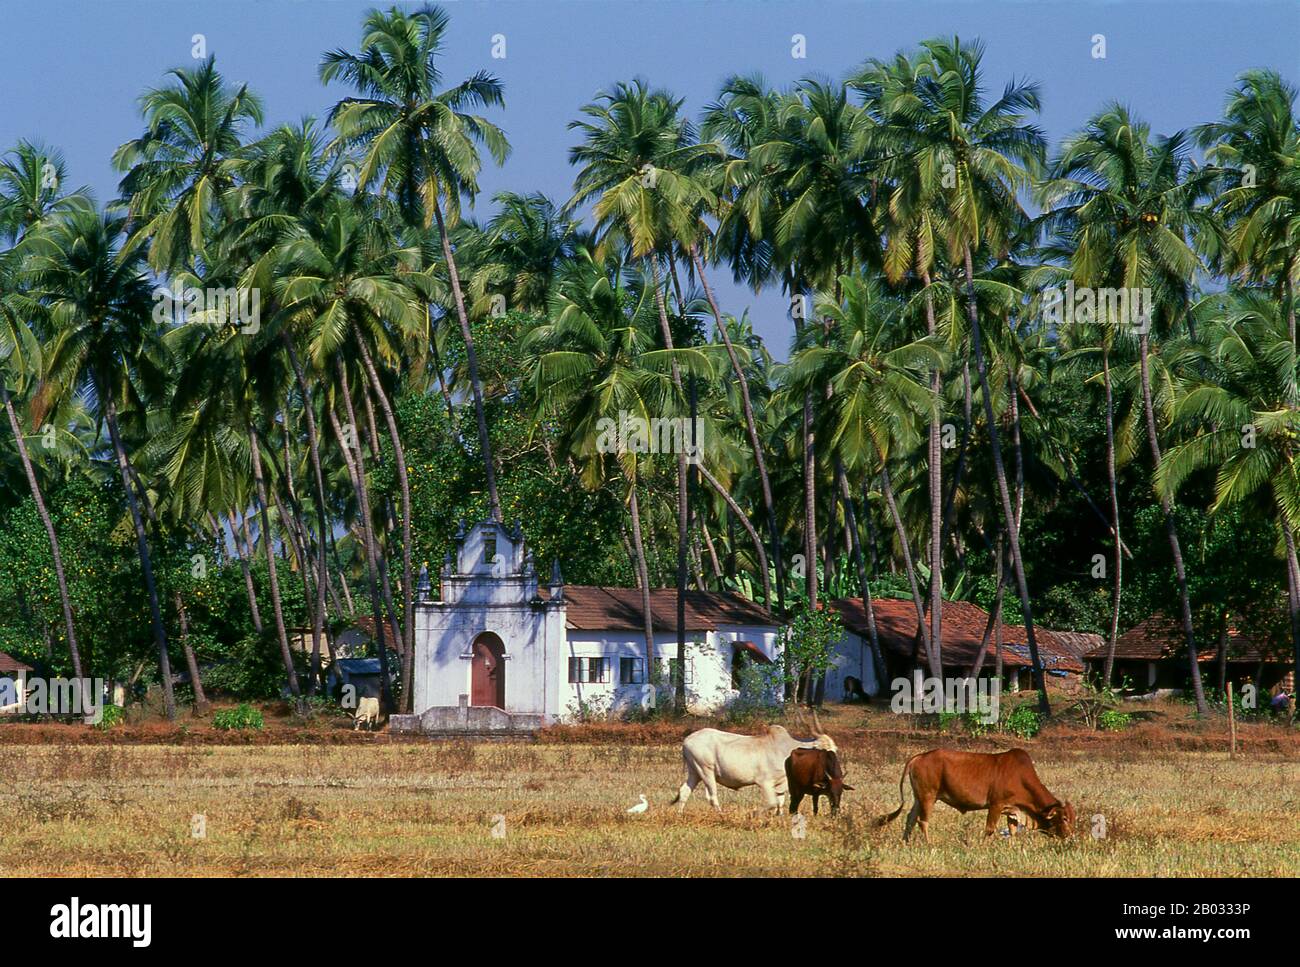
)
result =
(488, 671)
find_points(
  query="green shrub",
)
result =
(1024, 722)
(110, 716)
(1113, 720)
(242, 716)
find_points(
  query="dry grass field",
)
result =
(369, 806)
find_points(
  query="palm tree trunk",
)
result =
(855, 541)
(268, 542)
(318, 482)
(995, 617)
(751, 429)
(355, 461)
(907, 554)
(809, 502)
(297, 543)
(74, 651)
(683, 507)
(1013, 526)
(201, 704)
(302, 545)
(1171, 528)
(714, 562)
(1117, 587)
(1293, 601)
(936, 499)
(142, 548)
(738, 514)
(643, 576)
(404, 485)
(245, 554)
(471, 360)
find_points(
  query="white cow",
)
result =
(367, 712)
(718, 758)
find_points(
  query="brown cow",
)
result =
(815, 772)
(1005, 784)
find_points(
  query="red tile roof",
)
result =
(963, 631)
(366, 623)
(10, 664)
(1160, 637)
(592, 608)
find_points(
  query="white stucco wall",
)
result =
(852, 659)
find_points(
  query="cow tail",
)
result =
(907, 771)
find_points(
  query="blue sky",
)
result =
(71, 70)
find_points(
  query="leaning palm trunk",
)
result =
(142, 548)
(1000, 471)
(1117, 587)
(191, 663)
(245, 554)
(751, 428)
(1171, 528)
(471, 360)
(73, 651)
(303, 537)
(273, 578)
(355, 461)
(292, 536)
(740, 515)
(404, 484)
(906, 548)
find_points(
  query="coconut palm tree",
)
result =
(340, 284)
(986, 154)
(420, 144)
(636, 161)
(1131, 207)
(1258, 146)
(179, 170)
(1239, 406)
(593, 360)
(878, 395)
(524, 245)
(90, 279)
(804, 199)
(30, 177)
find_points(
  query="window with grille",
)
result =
(583, 670)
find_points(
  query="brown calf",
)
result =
(815, 772)
(1004, 783)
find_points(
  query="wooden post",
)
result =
(1232, 723)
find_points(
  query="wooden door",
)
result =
(488, 674)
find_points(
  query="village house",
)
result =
(500, 651)
(13, 685)
(1152, 655)
(964, 625)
